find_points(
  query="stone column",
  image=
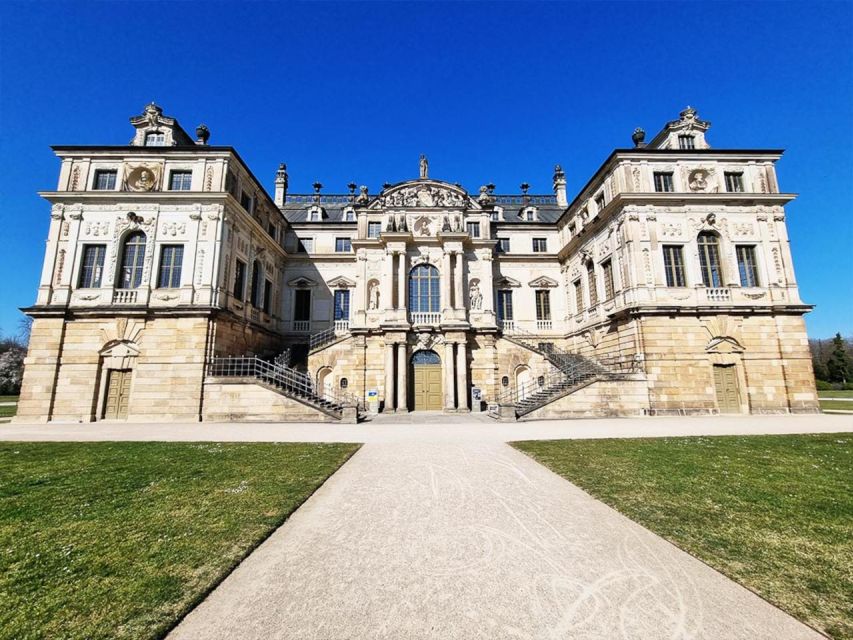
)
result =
(401, 280)
(402, 371)
(458, 296)
(389, 377)
(445, 281)
(388, 282)
(449, 403)
(462, 375)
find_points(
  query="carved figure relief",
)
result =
(475, 296)
(96, 229)
(373, 296)
(671, 230)
(699, 180)
(427, 196)
(636, 175)
(423, 226)
(75, 179)
(173, 228)
(142, 178)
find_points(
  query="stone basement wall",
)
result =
(599, 399)
(235, 337)
(250, 402)
(63, 368)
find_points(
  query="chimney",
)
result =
(560, 186)
(281, 185)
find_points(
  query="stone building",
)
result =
(175, 288)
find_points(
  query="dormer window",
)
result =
(155, 139)
(686, 142)
(348, 215)
(528, 214)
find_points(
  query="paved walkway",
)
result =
(444, 531)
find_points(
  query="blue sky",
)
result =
(492, 92)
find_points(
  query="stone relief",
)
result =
(75, 180)
(96, 229)
(700, 180)
(373, 296)
(60, 264)
(636, 175)
(173, 228)
(475, 296)
(142, 178)
(208, 179)
(427, 196)
(671, 230)
(199, 267)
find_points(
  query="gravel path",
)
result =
(472, 540)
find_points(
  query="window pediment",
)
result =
(506, 282)
(302, 282)
(340, 282)
(542, 282)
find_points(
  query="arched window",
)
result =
(132, 257)
(424, 293)
(709, 259)
(425, 357)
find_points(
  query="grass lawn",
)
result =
(9, 398)
(120, 540)
(836, 404)
(8, 412)
(774, 513)
(835, 394)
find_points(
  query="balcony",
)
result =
(718, 295)
(341, 325)
(544, 325)
(507, 325)
(125, 296)
(425, 317)
(302, 326)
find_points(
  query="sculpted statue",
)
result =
(475, 296)
(424, 167)
(363, 198)
(373, 302)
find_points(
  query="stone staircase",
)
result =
(571, 373)
(334, 334)
(283, 380)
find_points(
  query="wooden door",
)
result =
(725, 383)
(427, 387)
(118, 394)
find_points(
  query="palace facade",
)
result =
(175, 288)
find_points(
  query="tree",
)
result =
(838, 365)
(11, 370)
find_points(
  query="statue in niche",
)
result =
(457, 223)
(402, 226)
(475, 296)
(373, 297)
(424, 167)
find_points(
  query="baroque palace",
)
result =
(175, 288)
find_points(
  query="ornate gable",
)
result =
(424, 194)
(542, 282)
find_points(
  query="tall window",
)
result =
(155, 139)
(503, 245)
(663, 182)
(342, 304)
(180, 180)
(239, 279)
(540, 245)
(747, 265)
(505, 304)
(592, 284)
(305, 245)
(254, 291)
(374, 229)
(105, 179)
(686, 142)
(543, 304)
(424, 293)
(474, 229)
(132, 257)
(709, 259)
(607, 272)
(599, 201)
(171, 259)
(734, 182)
(673, 265)
(343, 245)
(267, 295)
(93, 265)
(246, 201)
(302, 305)
(578, 286)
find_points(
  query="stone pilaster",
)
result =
(401, 281)
(445, 281)
(402, 382)
(458, 297)
(462, 376)
(390, 405)
(449, 401)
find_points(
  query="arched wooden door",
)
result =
(426, 381)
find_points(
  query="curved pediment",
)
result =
(424, 194)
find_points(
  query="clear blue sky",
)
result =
(492, 92)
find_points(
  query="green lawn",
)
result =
(9, 398)
(8, 412)
(836, 404)
(772, 512)
(120, 540)
(835, 394)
